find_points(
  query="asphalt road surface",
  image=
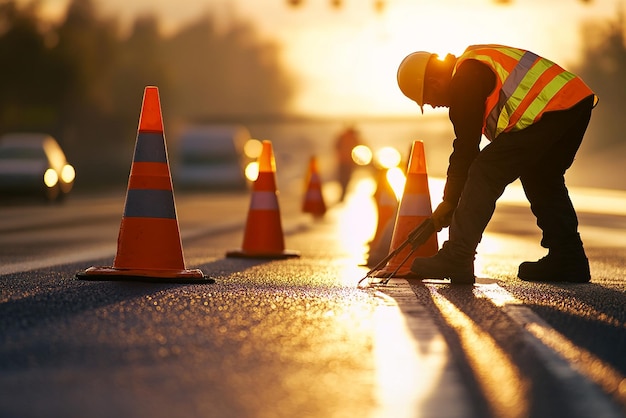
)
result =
(297, 337)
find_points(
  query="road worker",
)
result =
(534, 114)
(344, 144)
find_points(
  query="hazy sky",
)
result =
(346, 59)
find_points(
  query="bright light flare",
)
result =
(50, 178)
(388, 157)
(396, 179)
(357, 222)
(68, 173)
(252, 148)
(252, 171)
(362, 155)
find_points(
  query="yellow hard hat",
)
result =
(411, 76)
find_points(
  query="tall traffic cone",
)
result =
(263, 237)
(149, 246)
(386, 209)
(414, 208)
(314, 199)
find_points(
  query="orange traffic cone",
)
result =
(149, 247)
(386, 205)
(414, 208)
(263, 237)
(386, 208)
(314, 199)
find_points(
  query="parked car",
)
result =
(34, 164)
(209, 157)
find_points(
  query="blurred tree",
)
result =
(604, 69)
(226, 74)
(90, 129)
(81, 81)
(140, 62)
(89, 45)
(32, 76)
(197, 62)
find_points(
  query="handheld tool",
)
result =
(415, 239)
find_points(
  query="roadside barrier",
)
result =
(149, 246)
(263, 236)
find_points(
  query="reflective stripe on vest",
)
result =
(527, 86)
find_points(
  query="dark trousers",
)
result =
(539, 156)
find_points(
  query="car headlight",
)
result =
(50, 178)
(68, 174)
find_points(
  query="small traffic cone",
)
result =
(263, 237)
(414, 208)
(386, 208)
(314, 199)
(149, 246)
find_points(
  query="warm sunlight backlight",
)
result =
(252, 148)
(501, 380)
(396, 179)
(361, 155)
(408, 375)
(252, 171)
(388, 157)
(358, 221)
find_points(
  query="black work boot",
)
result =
(445, 265)
(560, 265)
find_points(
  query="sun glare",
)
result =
(388, 157)
(349, 65)
(358, 221)
(362, 155)
(397, 180)
(358, 59)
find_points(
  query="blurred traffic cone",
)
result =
(386, 204)
(414, 208)
(386, 207)
(314, 199)
(149, 247)
(263, 237)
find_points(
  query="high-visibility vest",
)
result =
(527, 86)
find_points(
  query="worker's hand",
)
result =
(442, 216)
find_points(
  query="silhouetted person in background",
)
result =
(535, 114)
(345, 143)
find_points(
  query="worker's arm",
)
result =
(470, 87)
